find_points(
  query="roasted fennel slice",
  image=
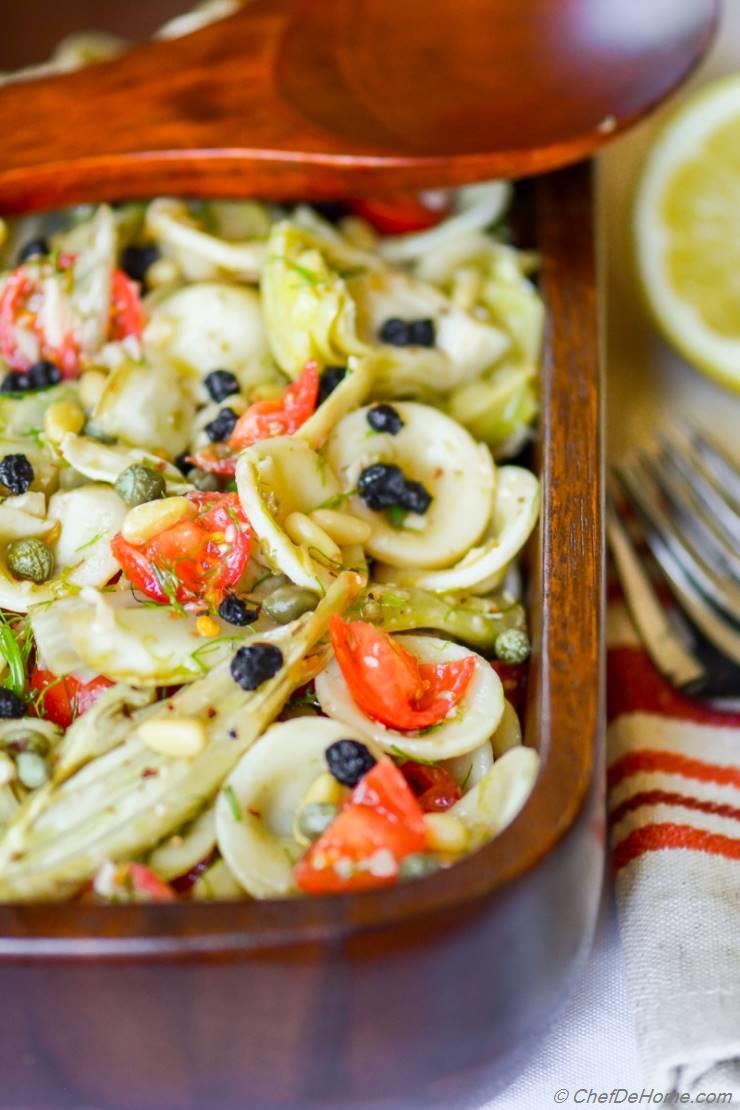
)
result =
(121, 804)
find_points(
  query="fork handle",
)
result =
(659, 638)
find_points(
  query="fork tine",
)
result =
(704, 483)
(668, 653)
(718, 631)
(717, 459)
(722, 592)
(694, 516)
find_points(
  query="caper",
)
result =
(417, 865)
(202, 480)
(315, 818)
(287, 603)
(30, 558)
(32, 769)
(138, 484)
(512, 646)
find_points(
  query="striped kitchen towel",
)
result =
(674, 816)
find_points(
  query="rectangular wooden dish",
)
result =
(429, 994)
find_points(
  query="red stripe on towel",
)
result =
(654, 838)
(667, 798)
(673, 764)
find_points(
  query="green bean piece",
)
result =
(473, 621)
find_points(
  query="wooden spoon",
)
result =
(313, 98)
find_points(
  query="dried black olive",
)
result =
(348, 761)
(254, 664)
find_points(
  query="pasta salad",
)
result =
(260, 627)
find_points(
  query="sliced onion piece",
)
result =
(473, 721)
(436, 451)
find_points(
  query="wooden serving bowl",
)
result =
(429, 994)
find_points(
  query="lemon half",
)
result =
(687, 229)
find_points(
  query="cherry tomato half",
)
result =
(400, 213)
(380, 825)
(20, 304)
(127, 315)
(194, 562)
(434, 787)
(62, 700)
(394, 687)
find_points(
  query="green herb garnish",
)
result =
(90, 542)
(337, 501)
(15, 647)
(396, 515)
(236, 810)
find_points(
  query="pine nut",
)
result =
(63, 417)
(91, 385)
(325, 788)
(180, 737)
(343, 528)
(206, 626)
(147, 520)
(303, 530)
(445, 833)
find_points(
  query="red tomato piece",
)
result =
(362, 849)
(399, 213)
(19, 311)
(265, 420)
(62, 700)
(127, 315)
(389, 684)
(147, 885)
(130, 882)
(194, 562)
(434, 787)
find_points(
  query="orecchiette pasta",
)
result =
(256, 555)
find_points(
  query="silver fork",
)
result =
(685, 492)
